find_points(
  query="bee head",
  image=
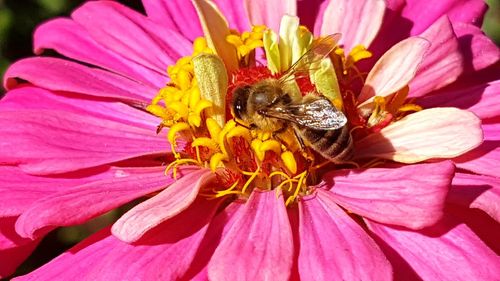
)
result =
(240, 99)
(264, 96)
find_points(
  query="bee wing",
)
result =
(317, 114)
(319, 50)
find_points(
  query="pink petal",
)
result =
(478, 49)
(484, 226)
(448, 251)
(259, 246)
(20, 190)
(72, 40)
(486, 158)
(34, 98)
(423, 13)
(443, 62)
(269, 12)
(394, 29)
(412, 196)
(332, 244)
(144, 41)
(395, 69)
(163, 206)
(78, 204)
(483, 160)
(358, 21)
(294, 219)
(62, 75)
(176, 15)
(13, 249)
(166, 254)
(481, 99)
(475, 191)
(63, 141)
(310, 12)
(427, 134)
(216, 232)
(235, 13)
(78, 261)
(173, 15)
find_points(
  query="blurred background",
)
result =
(18, 18)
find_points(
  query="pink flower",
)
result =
(77, 142)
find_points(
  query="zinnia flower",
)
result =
(221, 200)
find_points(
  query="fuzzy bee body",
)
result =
(268, 105)
(334, 145)
(316, 122)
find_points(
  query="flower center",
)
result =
(267, 127)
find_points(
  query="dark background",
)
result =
(18, 18)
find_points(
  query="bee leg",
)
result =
(279, 132)
(238, 122)
(305, 150)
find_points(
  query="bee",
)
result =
(269, 105)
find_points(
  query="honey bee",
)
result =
(268, 105)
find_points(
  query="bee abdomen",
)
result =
(334, 145)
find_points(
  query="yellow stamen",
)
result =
(359, 52)
(246, 42)
(194, 97)
(282, 175)
(410, 107)
(228, 191)
(172, 133)
(206, 142)
(302, 177)
(216, 159)
(379, 112)
(240, 131)
(235, 40)
(289, 161)
(201, 105)
(194, 120)
(279, 173)
(255, 145)
(178, 162)
(176, 128)
(160, 111)
(184, 79)
(222, 136)
(213, 128)
(270, 145)
(249, 181)
(289, 182)
(200, 46)
(179, 108)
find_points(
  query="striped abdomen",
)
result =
(335, 145)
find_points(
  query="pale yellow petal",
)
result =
(216, 29)
(444, 132)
